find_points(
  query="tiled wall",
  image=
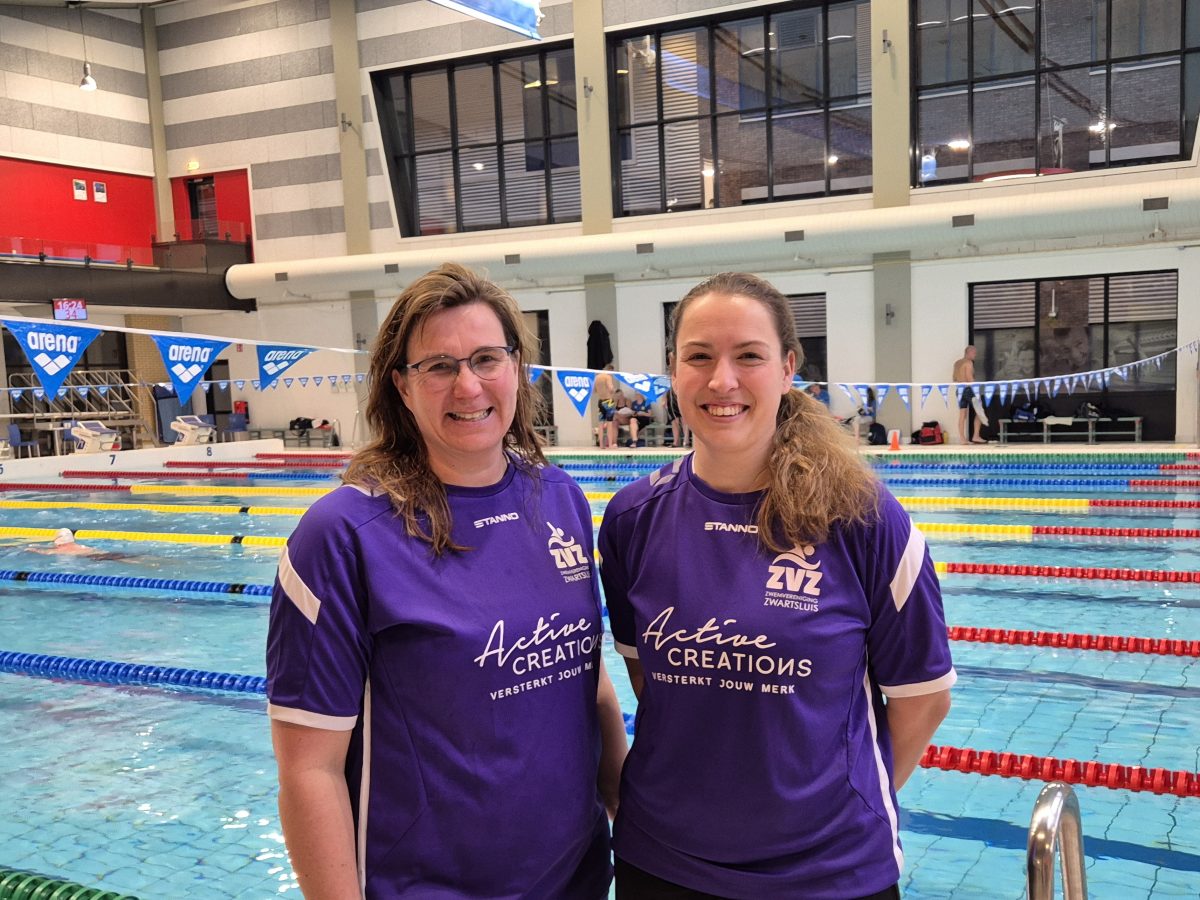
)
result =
(43, 113)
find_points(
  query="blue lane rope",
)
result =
(130, 581)
(74, 668)
(1064, 484)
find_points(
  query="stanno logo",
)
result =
(726, 526)
(496, 520)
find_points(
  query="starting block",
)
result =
(192, 430)
(95, 437)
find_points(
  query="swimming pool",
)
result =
(170, 791)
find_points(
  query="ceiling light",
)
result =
(708, 171)
(478, 167)
(622, 71)
(193, 165)
(959, 144)
(832, 159)
(87, 82)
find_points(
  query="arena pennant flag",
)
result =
(903, 391)
(881, 391)
(578, 385)
(274, 360)
(926, 390)
(52, 349)
(1003, 389)
(944, 390)
(16, 393)
(535, 372)
(646, 385)
(186, 359)
(849, 392)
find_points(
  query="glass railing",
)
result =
(205, 229)
(99, 252)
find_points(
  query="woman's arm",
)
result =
(637, 677)
(911, 724)
(613, 743)
(314, 806)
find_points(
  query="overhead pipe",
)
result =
(1105, 214)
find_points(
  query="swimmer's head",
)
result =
(63, 536)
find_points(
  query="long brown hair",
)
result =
(396, 461)
(817, 476)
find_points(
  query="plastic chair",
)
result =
(238, 427)
(14, 438)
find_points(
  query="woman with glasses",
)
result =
(782, 626)
(435, 686)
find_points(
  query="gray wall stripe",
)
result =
(53, 120)
(69, 70)
(264, 70)
(305, 170)
(374, 161)
(324, 220)
(95, 25)
(449, 39)
(264, 17)
(381, 215)
(288, 120)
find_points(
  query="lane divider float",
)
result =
(1057, 484)
(165, 537)
(1049, 768)
(1109, 642)
(1027, 532)
(156, 507)
(303, 455)
(242, 464)
(1088, 572)
(132, 581)
(194, 475)
(105, 671)
(206, 489)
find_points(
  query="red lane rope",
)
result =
(157, 476)
(303, 455)
(1091, 531)
(17, 486)
(1179, 467)
(266, 464)
(1072, 572)
(1164, 482)
(1113, 642)
(1050, 768)
(1147, 504)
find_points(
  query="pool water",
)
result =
(166, 792)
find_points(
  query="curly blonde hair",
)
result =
(817, 476)
(396, 461)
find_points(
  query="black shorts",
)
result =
(964, 402)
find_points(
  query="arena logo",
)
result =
(275, 361)
(52, 343)
(189, 353)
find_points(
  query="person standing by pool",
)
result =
(782, 626)
(964, 374)
(437, 698)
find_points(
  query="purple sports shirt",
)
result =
(468, 684)
(761, 765)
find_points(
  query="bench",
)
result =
(1129, 427)
(653, 434)
(548, 433)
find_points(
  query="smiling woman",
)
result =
(388, 647)
(765, 680)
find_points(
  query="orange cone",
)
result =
(894, 439)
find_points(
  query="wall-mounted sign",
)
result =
(79, 186)
(99, 191)
(69, 308)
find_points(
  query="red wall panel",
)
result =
(232, 190)
(39, 206)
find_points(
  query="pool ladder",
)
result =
(1055, 824)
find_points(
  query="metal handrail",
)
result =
(1048, 828)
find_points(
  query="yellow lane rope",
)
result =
(247, 540)
(1010, 503)
(156, 507)
(194, 489)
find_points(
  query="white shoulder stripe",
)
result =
(311, 719)
(942, 683)
(303, 599)
(885, 778)
(908, 568)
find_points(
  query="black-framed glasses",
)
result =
(486, 362)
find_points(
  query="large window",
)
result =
(482, 143)
(1064, 326)
(1012, 88)
(763, 107)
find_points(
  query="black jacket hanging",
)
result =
(599, 349)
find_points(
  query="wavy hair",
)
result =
(817, 476)
(396, 461)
